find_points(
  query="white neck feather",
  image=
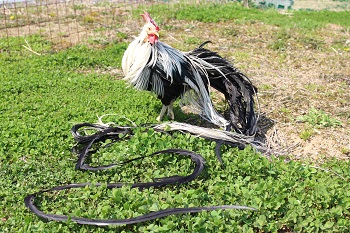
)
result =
(136, 56)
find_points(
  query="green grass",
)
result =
(36, 42)
(42, 97)
(307, 133)
(319, 118)
(236, 13)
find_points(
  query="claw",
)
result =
(168, 109)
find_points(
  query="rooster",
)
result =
(149, 64)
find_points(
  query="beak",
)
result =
(153, 32)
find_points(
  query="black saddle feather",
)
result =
(236, 87)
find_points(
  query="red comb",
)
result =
(149, 19)
(146, 17)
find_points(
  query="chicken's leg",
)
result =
(167, 108)
(162, 112)
(170, 110)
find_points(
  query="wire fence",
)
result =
(46, 25)
(42, 25)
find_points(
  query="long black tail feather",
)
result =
(237, 88)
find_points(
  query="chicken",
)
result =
(149, 64)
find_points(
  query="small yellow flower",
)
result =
(12, 17)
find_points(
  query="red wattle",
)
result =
(152, 39)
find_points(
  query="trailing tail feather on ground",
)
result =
(149, 64)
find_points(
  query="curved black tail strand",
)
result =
(238, 90)
(85, 142)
